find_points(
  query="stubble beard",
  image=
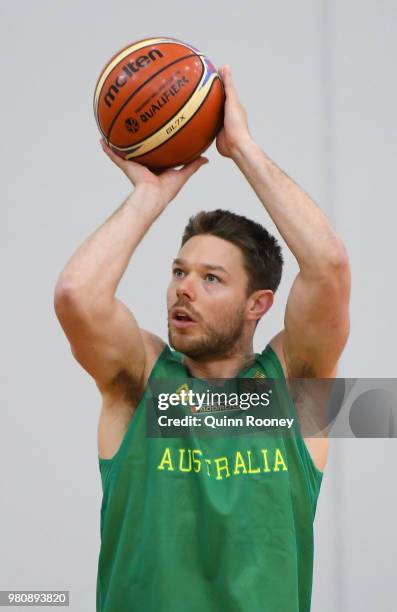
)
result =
(219, 341)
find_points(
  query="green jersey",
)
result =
(207, 524)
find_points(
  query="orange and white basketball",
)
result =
(159, 102)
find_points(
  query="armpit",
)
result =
(126, 388)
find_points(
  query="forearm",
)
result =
(302, 224)
(96, 268)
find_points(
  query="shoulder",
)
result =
(154, 346)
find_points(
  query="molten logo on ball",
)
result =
(129, 69)
(131, 125)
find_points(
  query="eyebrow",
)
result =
(207, 266)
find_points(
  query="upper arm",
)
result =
(106, 340)
(316, 323)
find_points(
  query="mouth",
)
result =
(180, 318)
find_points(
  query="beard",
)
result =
(217, 339)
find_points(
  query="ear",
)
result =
(259, 303)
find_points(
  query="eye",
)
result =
(211, 278)
(178, 273)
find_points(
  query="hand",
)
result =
(235, 127)
(166, 182)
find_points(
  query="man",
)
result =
(213, 524)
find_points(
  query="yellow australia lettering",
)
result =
(265, 460)
(250, 468)
(220, 468)
(166, 460)
(243, 462)
(181, 456)
(279, 460)
(239, 464)
(197, 462)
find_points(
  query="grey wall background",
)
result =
(318, 81)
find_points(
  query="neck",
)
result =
(227, 366)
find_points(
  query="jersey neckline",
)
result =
(240, 374)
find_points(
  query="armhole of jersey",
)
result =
(278, 368)
(314, 473)
(105, 465)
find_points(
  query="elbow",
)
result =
(330, 262)
(70, 296)
(64, 297)
(340, 268)
(338, 257)
(334, 262)
(337, 271)
(331, 270)
(61, 292)
(80, 301)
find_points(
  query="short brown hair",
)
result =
(263, 259)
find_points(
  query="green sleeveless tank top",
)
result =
(219, 524)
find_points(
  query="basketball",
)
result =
(159, 102)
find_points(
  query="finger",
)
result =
(119, 161)
(193, 166)
(105, 146)
(226, 75)
(107, 149)
(189, 169)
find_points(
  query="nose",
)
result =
(185, 288)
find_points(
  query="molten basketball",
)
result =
(159, 102)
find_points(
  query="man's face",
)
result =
(207, 298)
